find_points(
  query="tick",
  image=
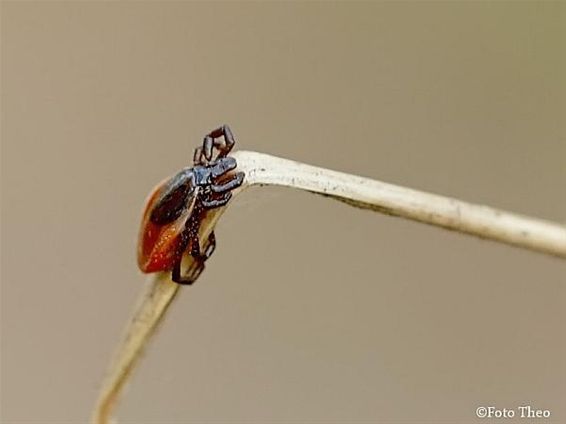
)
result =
(175, 208)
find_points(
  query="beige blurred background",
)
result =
(310, 311)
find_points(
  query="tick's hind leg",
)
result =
(199, 255)
(211, 246)
(199, 258)
(190, 277)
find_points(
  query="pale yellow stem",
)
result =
(478, 220)
(260, 169)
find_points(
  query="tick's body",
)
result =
(175, 208)
(159, 244)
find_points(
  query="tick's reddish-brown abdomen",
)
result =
(158, 244)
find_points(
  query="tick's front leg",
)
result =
(212, 140)
(211, 203)
(232, 183)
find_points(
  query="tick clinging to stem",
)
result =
(176, 207)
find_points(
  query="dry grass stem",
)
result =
(260, 169)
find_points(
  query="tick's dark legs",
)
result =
(218, 194)
(187, 279)
(224, 147)
(199, 258)
(210, 203)
(232, 183)
(210, 177)
(203, 154)
(210, 247)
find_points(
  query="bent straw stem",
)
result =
(478, 220)
(261, 169)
